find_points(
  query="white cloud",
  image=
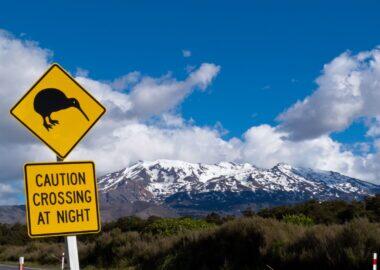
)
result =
(9, 194)
(155, 96)
(266, 146)
(148, 96)
(362, 147)
(124, 82)
(137, 141)
(348, 89)
(186, 53)
(189, 68)
(81, 72)
(171, 120)
(6, 188)
(373, 126)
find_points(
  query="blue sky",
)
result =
(270, 51)
(261, 81)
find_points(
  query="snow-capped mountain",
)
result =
(227, 187)
(170, 188)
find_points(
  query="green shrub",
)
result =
(172, 226)
(299, 219)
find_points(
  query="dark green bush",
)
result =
(299, 219)
(172, 226)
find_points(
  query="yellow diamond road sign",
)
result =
(61, 198)
(58, 110)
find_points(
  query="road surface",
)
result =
(15, 267)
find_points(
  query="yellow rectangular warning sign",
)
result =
(61, 198)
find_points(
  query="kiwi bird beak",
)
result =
(79, 108)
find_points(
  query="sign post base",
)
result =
(72, 252)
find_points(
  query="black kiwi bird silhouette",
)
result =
(51, 100)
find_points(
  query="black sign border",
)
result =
(27, 200)
(72, 79)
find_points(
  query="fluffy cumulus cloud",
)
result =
(147, 96)
(143, 121)
(266, 145)
(139, 141)
(348, 89)
(154, 96)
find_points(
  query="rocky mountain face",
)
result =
(182, 188)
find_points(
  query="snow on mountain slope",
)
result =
(158, 180)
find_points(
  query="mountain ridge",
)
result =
(171, 188)
(226, 186)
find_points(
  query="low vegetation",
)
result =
(306, 236)
(329, 212)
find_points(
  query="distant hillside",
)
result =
(12, 214)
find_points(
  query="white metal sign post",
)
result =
(374, 261)
(21, 263)
(63, 261)
(71, 247)
(72, 251)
